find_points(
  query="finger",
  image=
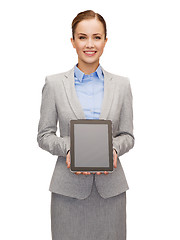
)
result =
(77, 173)
(115, 163)
(67, 159)
(86, 173)
(106, 172)
(68, 163)
(98, 173)
(115, 160)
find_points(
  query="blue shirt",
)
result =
(90, 91)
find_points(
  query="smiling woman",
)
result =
(89, 40)
(87, 205)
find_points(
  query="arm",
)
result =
(124, 139)
(47, 127)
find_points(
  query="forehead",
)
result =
(90, 26)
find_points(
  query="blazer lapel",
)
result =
(73, 98)
(71, 94)
(108, 94)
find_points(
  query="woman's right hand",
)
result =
(68, 162)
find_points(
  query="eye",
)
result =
(81, 37)
(97, 37)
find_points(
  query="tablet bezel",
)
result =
(110, 143)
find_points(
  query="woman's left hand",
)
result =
(114, 163)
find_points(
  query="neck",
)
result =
(88, 68)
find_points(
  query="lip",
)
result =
(90, 53)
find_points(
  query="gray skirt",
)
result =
(93, 218)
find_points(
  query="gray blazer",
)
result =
(60, 103)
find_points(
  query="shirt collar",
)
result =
(80, 75)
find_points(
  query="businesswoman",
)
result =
(84, 205)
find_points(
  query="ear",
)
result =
(73, 44)
(105, 41)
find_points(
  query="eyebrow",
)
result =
(93, 34)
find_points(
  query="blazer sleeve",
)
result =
(123, 140)
(47, 138)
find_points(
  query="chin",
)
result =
(91, 61)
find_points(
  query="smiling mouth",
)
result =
(90, 53)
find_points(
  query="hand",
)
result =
(114, 163)
(68, 162)
(115, 156)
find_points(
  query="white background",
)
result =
(144, 45)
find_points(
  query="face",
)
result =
(89, 41)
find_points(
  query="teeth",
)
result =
(90, 52)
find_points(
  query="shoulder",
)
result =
(117, 79)
(57, 78)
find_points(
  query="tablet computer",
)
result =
(91, 146)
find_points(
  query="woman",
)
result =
(84, 205)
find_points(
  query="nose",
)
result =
(89, 43)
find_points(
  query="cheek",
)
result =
(100, 46)
(79, 48)
(80, 44)
(101, 50)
